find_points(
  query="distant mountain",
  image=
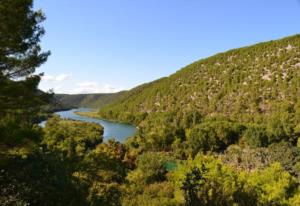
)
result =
(86, 100)
(255, 84)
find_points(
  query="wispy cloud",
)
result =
(94, 87)
(57, 78)
(59, 84)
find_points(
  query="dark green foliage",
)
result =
(40, 179)
(241, 106)
(20, 30)
(13, 129)
(98, 168)
(193, 182)
(287, 155)
(105, 194)
(256, 136)
(20, 54)
(20, 103)
(148, 184)
(244, 103)
(64, 165)
(101, 173)
(213, 136)
(150, 168)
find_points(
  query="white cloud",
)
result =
(94, 87)
(88, 84)
(61, 84)
(57, 78)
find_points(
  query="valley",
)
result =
(221, 131)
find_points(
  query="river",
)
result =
(118, 131)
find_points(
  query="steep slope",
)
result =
(239, 83)
(87, 100)
(256, 84)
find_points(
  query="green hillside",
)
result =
(224, 131)
(86, 100)
(257, 84)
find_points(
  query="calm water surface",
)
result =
(119, 131)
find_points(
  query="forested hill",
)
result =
(86, 100)
(250, 83)
(223, 131)
(257, 84)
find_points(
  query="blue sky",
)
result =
(110, 45)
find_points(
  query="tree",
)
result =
(194, 180)
(213, 136)
(150, 168)
(20, 33)
(40, 179)
(205, 181)
(287, 155)
(271, 186)
(72, 138)
(256, 136)
(20, 55)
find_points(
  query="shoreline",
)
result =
(95, 116)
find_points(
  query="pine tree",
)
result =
(20, 55)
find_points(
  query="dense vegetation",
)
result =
(20, 54)
(255, 88)
(198, 144)
(240, 109)
(86, 100)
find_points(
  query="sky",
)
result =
(101, 46)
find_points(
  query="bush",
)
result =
(213, 136)
(255, 136)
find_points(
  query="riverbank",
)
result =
(45, 115)
(95, 115)
(88, 114)
(118, 131)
